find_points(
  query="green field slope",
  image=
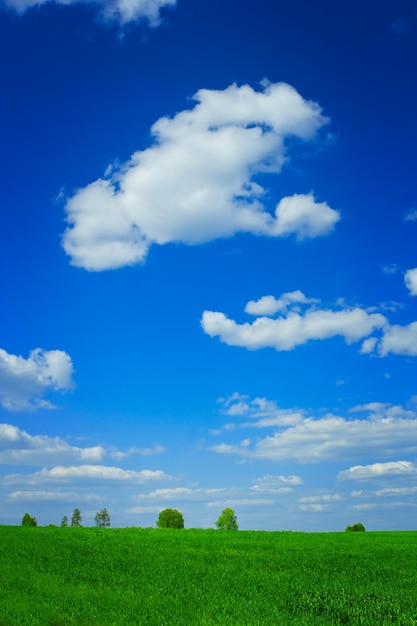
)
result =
(102, 577)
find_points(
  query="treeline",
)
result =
(168, 518)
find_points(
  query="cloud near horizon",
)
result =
(23, 382)
(384, 429)
(197, 181)
(121, 11)
(85, 473)
(301, 320)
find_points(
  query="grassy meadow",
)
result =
(100, 577)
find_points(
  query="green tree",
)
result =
(102, 519)
(64, 522)
(27, 520)
(170, 518)
(356, 528)
(76, 518)
(227, 520)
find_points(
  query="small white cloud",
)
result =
(122, 11)
(313, 508)
(268, 305)
(410, 278)
(291, 329)
(368, 345)
(263, 413)
(400, 340)
(180, 494)
(196, 183)
(119, 454)
(411, 215)
(23, 382)
(325, 497)
(276, 484)
(379, 470)
(303, 216)
(391, 268)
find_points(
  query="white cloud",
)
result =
(410, 278)
(387, 491)
(263, 413)
(399, 340)
(19, 448)
(276, 484)
(120, 455)
(292, 328)
(180, 493)
(62, 474)
(303, 216)
(411, 215)
(391, 268)
(219, 504)
(268, 305)
(379, 470)
(122, 11)
(326, 497)
(23, 382)
(55, 496)
(333, 438)
(313, 508)
(196, 182)
(368, 345)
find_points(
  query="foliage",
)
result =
(64, 522)
(355, 528)
(170, 518)
(227, 520)
(102, 519)
(76, 518)
(143, 577)
(27, 520)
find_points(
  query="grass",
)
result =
(101, 577)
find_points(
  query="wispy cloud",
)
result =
(54, 496)
(379, 470)
(24, 382)
(411, 215)
(81, 473)
(197, 181)
(302, 320)
(19, 448)
(378, 433)
(120, 11)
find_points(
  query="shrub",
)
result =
(355, 528)
(27, 520)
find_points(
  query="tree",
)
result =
(27, 520)
(355, 528)
(102, 519)
(76, 518)
(170, 518)
(64, 522)
(227, 520)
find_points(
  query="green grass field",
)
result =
(102, 577)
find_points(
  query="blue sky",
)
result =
(208, 262)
